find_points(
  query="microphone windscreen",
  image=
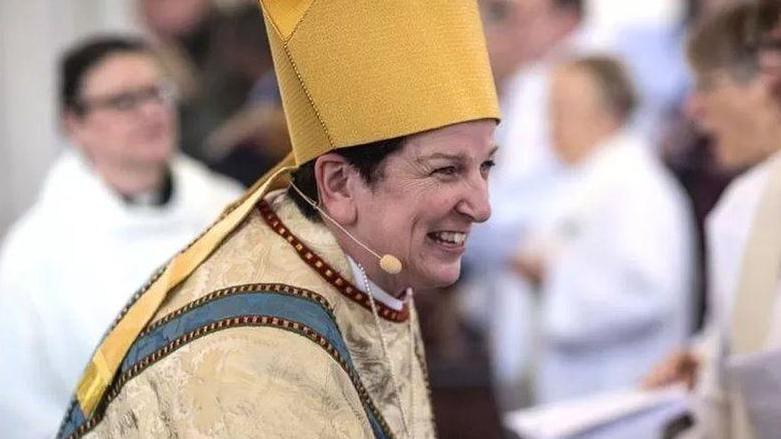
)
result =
(390, 264)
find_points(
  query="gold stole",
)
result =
(108, 356)
(752, 314)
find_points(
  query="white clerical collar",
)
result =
(378, 293)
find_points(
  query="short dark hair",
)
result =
(728, 40)
(243, 26)
(368, 159)
(613, 83)
(79, 59)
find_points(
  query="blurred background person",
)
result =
(611, 257)
(745, 402)
(254, 136)
(122, 194)
(525, 39)
(183, 34)
(734, 103)
(230, 112)
(688, 151)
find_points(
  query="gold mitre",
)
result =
(357, 71)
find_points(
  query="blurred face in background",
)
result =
(127, 119)
(174, 18)
(769, 55)
(521, 31)
(579, 118)
(740, 116)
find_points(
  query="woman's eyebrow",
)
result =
(442, 155)
(450, 156)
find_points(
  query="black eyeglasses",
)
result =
(130, 100)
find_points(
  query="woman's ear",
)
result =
(333, 174)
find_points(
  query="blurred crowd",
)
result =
(596, 266)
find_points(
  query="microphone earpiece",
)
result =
(388, 263)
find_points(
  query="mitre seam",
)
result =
(303, 17)
(306, 92)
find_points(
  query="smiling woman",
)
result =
(292, 318)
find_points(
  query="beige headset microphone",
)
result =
(389, 263)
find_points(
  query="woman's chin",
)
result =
(440, 276)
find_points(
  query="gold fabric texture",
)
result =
(358, 71)
(267, 382)
(112, 349)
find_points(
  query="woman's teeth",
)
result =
(455, 238)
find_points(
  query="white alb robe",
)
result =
(69, 265)
(617, 292)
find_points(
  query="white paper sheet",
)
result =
(607, 415)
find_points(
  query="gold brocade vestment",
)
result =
(254, 377)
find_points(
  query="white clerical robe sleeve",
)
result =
(32, 403)
(625, 275)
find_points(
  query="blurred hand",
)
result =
(530, 267)
(680, 367)
(261, 125)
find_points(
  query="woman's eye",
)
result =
(486, 166)
(446, 171)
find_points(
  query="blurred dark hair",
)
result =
(368, 159)
(613, 83)
(576, 6)
(244, 25)
(729, 39)
(79, 59)
(767, 16)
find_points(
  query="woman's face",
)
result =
(741, 117)
(422, 208)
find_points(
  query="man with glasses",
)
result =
(113, 208)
